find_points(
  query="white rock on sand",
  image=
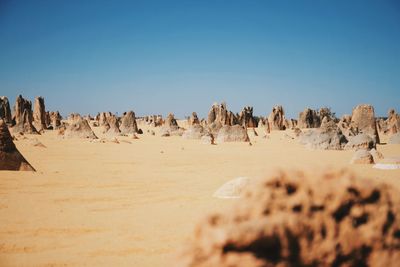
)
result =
(392, 163)
(233, 188)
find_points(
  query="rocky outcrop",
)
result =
(327, 137)
(309, 119)
(5, 111)
(111, 128)
(128, 123)
(362, 156)
(171, 127)
(55, 119)
(363, 121)
(360, 141)
(39, 114)
(344, 126)
(195, 131)
(78, 128)
(276, 119)
(235, 133)
(219, 114)
(23, 116)
(10, 158)
(300, 219)
(193, 120)
(393, 122)
(246, 118)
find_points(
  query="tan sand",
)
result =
(108, 204)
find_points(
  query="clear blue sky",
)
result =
(181, 56)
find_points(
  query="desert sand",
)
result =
(136, 202)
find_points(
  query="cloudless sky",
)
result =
(156, 57)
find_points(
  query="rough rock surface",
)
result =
(23, 116)
(171, 127)
(360, 141)
(276, 118)
(328, 136)
(362, 156)
(207, 139)
(195, 131)
(297, 219)
(128, 123)
(10, 158)
(246, 118)
(79, 128)
(363, 121)
(39, 114)
(55, 119)
(219, 114)
(193, 120)
(309, 119)
(5, 111)
(235, 133)
(111, 129)
(393, 122)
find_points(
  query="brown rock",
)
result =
(23, 116)
(195, 131)
(393, 122)
(79, 128)
(362, 156)
(235, 133)
(363, 121)
(128, 123)
(10, 158)
(276, 118)
(39, 114)
(309, 119)
(193, 120)
(55, 119)
(328, 137)
(246, 118)
(300, 219)
(5, 111)
(360, 141)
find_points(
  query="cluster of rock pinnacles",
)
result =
(359, 131)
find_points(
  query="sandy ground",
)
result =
(108, 204)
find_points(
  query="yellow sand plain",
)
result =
(133, 204)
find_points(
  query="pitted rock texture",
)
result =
(298, 219)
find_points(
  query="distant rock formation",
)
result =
(128, 123)
(111, 128)
(328, 137)
(360, 141)
(309, 119)
(302, 219)
(39, 114)
(171, 127)
(246, 118)
(79, 128)
(5, 111)
(23, 116)
(193, 120)
(276, 119)
(55, 119)
(10, 158)
(235, 133)
(393, 122)
(220, 115)
(195, 131)
(363, 121)
(362, 156)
